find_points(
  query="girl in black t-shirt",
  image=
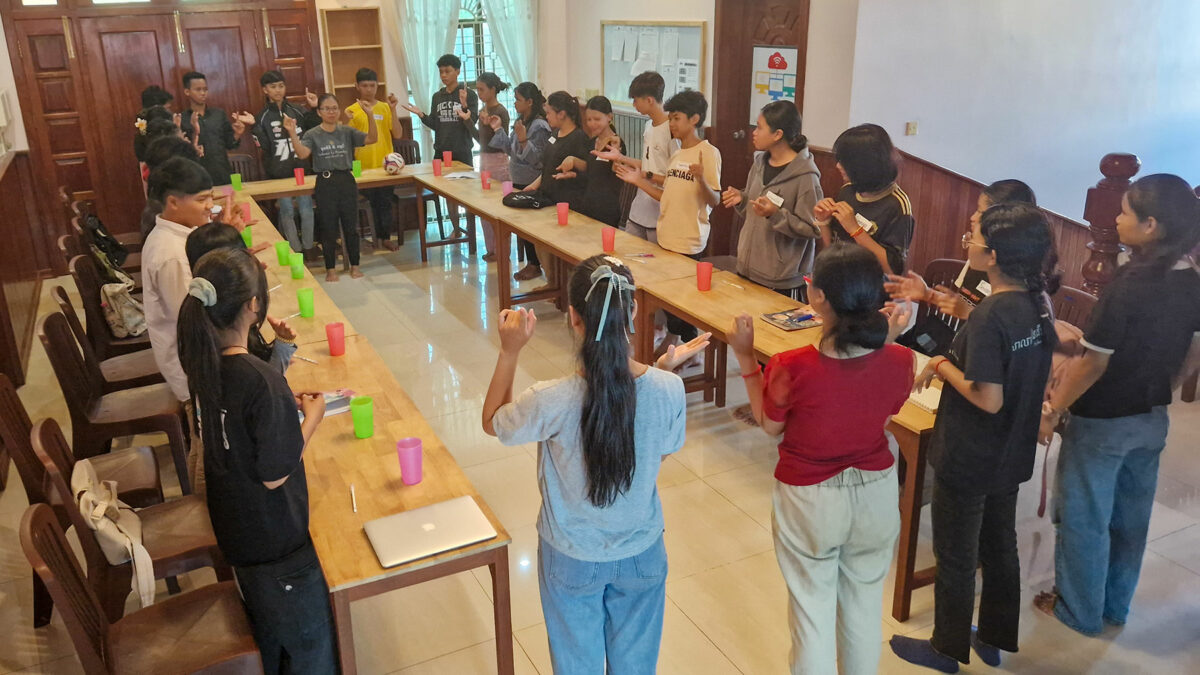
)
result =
(602, 196)
(257, 492)
(1142, 339)
(984, 441)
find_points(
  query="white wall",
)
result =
(1034, 90)
(829, 69)
(15, 137)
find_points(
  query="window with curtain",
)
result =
(473, 44)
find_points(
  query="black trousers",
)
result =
(677, 326)
(288, 604)
(381, 210)
(336, 195)
(969, 529)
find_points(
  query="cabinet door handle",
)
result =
(179, 34)
(266, 28)
(67, 36)
(739, 134)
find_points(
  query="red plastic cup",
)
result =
(485, 177)
(437, 167)
(408, 451)
(299, 176)
(704, 276)
(608, 237)
(563, 209)
(336, 334)
(245, 213)
(506, 187)
(447, 157)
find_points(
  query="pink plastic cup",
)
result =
(563, 209)
(336, 334)
(608, 237)
(228, 189)
(447, 157)
(485, 177)
(506, 187)
(245, 213)
(299, 176)
(437, 167)
(704, 276)
(408, 451)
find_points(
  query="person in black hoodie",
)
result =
(214, 132)
(452, 114)
(280, 161)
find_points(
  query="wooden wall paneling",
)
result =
(19, 266)
(54, 104)
(122, 56)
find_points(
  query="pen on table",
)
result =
(274, 288)
(292, 316)
(733, 284)
(640, 255)
(303, 358)
(353, 501)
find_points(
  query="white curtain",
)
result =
(514, 26)
(427, 30)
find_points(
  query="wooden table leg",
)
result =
(503, 265)
(471, 232)
(912, 449)
(722, 367)
(345, 631)
(503, 612)
(421, 225)
(643, 326)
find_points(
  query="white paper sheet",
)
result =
(630, 39)
(618, 45)
(689, 74)
(670, 46)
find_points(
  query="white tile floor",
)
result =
(726, 602)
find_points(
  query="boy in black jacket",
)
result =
(210, 128)
(453, 112)
(280, 161)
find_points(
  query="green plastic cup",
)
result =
(304, 296)
(356, 169)
(247, 236)
(236, 181)
(362, 411)
(283, 253)
(296, 261)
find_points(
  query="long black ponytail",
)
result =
(852, 280)
(564, 102)
(537, 102)
(1169, 200)
(601, 292)
(1020, 236)
(223, 282)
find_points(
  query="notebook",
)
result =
(429, 530)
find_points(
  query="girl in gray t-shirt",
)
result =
(601, 434)
(331, 146)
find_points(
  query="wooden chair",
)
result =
(247, 165)
(133, 261)
(68, 246)
(1073, 306)
(125, 371)
(104, 343)
(177, 534)
(97, 417)
(205, 630)
(941, 272)
(78, 209)
(134, 469)
(410, 150)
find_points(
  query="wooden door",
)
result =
(290, 51)
(223, 46)
(739, 25)
(54, 103)
(121, 56)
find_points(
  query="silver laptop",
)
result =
(429, 530)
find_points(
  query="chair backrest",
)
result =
(409, 149)
(54, 454)
(246, 165)
(82, 235)
(1073, 305)
(68, 246)
(87, 280)
(85, 347)
(943, 271)
(14, 433)
(79, 382)
(46, 548)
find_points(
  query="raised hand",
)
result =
(310, 98)
(412, 108)
(679, 355)
(731, 197)
(910, 286)
(282, 328)
(176, 119)
(950, 302)
(289, 125)
(519, 129)
(697, 169)
(245, 118)
(516, 328)
(741, 336)
(898, 315)
(464, 114)
(393, 102)
(628, 174)
(494, 122)
(462, 97)
(823, 210)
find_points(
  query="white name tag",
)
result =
(984, 288)
(683, 166)
(774, 199)
(379, 118)
(551, 139)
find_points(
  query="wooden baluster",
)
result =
(1101, 209)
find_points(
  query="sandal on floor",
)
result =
(1044, 602)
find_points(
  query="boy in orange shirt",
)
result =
(372, 156)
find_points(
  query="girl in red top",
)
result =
(835, 516)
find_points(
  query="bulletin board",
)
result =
(676, 50)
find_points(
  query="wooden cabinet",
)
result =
(353, 40)
(81, 67)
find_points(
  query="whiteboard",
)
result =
(675, 49)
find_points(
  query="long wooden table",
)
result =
(335, 459)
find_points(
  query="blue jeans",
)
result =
(1107, 474)
(287, 220)
(598, 612)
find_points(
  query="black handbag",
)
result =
(527, 200)
(114, 250)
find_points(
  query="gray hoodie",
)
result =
(778, 251)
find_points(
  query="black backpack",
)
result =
(114, 250)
